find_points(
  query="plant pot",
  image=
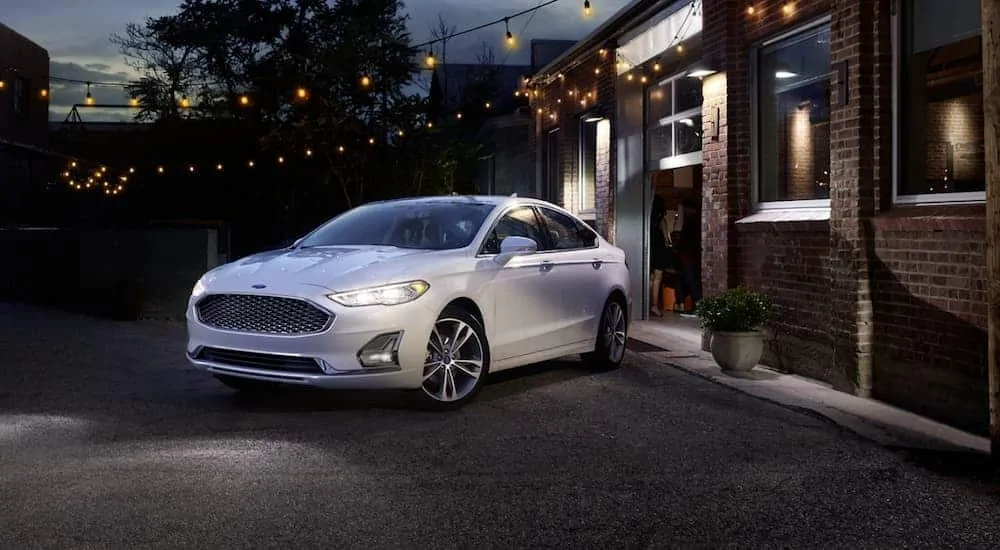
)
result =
(737, 351)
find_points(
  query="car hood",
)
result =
(336, 268)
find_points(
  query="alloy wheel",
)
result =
(454, 361)
(613, 331)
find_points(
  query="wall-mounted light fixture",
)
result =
(703, 68)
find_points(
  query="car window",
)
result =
(565, 232)
(429, 225)
(519, 222)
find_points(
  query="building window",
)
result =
(19, 97)
(553, 166)
(942, 145)
(793, 117)
(588, 163)
(673, 122)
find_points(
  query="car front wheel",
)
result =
(457, 360)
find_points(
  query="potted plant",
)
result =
(735, 319)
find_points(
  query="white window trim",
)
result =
(585, 213)
(674, 160)
(804, 210)
(895, 36)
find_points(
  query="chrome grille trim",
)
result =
(256, 360)
(262, 314)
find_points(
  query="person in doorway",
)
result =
(661, 257)
(688, 245)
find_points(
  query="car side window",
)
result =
(566, 233)
(519, 222)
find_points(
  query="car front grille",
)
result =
(262, 314)
(255, 360)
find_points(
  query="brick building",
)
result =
(835, 152)
(24, 116)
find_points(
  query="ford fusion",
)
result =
(428, 294)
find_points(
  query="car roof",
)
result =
(497, 200)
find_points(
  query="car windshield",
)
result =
(433, 225)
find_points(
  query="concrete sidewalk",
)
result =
(874, 420)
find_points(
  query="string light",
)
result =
(191, 168)
(159, 169)
(340, 149)
(301, 93)
(133, 101)
(44, 92)
(488, 105)
(2, 84)
(399, 133)
(218, 167)
(751, 10)
(788, 9)
(510, 36)
(458, 116)
(185, 102)
(309, 152)
(429, 60)
(250, 164)
(89, 99)
(366, 81)
(587, 12)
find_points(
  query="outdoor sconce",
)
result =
(703, 68)
(713, 124)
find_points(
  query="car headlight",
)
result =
(388, 295)
(199, 288)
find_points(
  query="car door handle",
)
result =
(547, 266)
(597, 263)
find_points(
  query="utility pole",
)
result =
(991, 107)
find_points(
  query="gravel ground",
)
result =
(109, 440)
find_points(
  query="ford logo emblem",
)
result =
(260, 286)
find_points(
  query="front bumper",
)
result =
(328, 359)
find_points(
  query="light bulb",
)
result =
(301, 93)
(244, 100)
(586, 8)
(366, 81)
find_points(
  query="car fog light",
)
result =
(381, 351)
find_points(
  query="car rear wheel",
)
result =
(457, 360)
(246, 385)
(609, 350)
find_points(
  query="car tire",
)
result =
(612, 335)
(245, 385)
(457, 361)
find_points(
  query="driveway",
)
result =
(109, 440)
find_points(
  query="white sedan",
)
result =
(428, 294)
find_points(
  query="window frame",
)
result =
(897, 20)
(582, 123)
(674, 160)
(20, 105)
(755, 163)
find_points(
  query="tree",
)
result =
(301, 73)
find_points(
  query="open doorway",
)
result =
(674, 251)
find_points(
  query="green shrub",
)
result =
(735, 310)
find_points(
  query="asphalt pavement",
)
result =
(109, 440)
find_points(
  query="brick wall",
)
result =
(930, 312)
(791, 263)
(586, 86)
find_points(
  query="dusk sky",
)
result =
(76, 34)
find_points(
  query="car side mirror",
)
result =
(515, 246)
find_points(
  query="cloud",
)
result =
(561, 21)
(66, 94)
